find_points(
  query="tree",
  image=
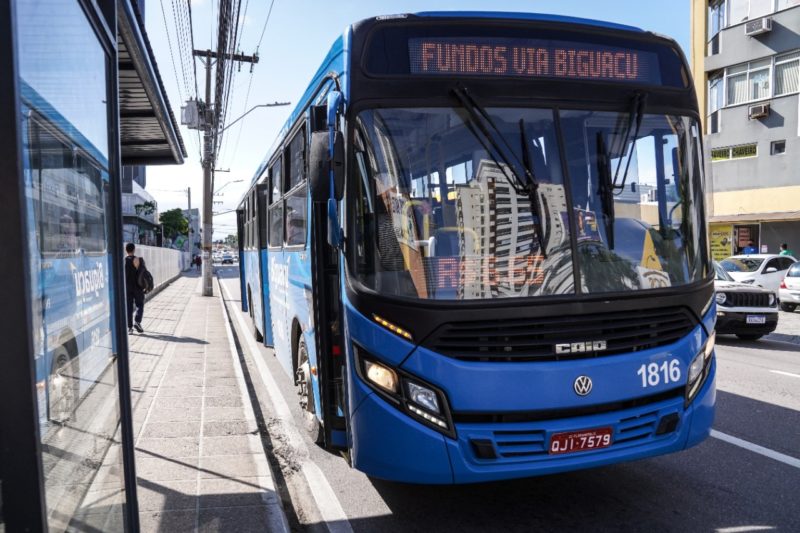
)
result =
(232, 241)
(174, 223)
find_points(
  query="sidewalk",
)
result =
(199, 459)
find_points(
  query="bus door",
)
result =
(326, 299)
(262, 220)
(242, 278)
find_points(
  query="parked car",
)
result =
(789, 290)
(764, 270)
(746, 310)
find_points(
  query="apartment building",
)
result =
(745, 57)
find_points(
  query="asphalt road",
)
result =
(716, 486)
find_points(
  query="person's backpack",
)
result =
(144, 278)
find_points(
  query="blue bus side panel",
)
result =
(299, 304)
(266, 322)
(253, 288)
(243, 283)
(279, 281)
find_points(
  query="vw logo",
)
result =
(582, 385)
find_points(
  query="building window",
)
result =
(777, 147)
(741, 151)
(786, 4)
(716, 100)
(752, 81)
(787, 73)
(716, 22)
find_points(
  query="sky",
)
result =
(296, 39)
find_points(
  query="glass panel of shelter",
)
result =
(64, 85)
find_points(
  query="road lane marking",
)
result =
(325, 499)
(744, 529)
(782, 373)
(755, 448)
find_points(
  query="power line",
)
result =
(269, 13)
(171, 55)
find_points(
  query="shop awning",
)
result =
(755, 217)
(149, 134)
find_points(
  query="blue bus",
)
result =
(67, 191)
(479, 248)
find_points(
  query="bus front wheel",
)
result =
(61, 387)
(306, 392)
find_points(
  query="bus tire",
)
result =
(303, 378)
(62, 384)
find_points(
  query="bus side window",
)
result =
(295, 206)
(263, 226)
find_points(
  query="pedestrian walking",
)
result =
(198, 261)
(785, 250)
(134, 294)
(750, 248)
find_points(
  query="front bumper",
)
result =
(736, 321)
(390, 445)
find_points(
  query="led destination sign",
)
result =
(531, 58)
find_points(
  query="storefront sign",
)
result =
(721, 238)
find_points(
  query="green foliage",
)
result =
(174, 223)
(232, 241)
(146, 208)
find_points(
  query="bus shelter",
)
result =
(80, 97)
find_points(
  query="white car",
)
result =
(789, 291)
(763, 270)
(747, 311)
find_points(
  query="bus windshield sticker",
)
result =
(532, 58)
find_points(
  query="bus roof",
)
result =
(542, 17)
(334, 57)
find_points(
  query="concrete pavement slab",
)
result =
(201, 465)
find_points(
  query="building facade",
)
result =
(746, 64)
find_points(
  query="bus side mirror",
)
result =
(337, 165)
(318, 169)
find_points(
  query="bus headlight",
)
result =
(422, 396)
(382, 376)
(721, 298)
(419, 400)
(698, 369)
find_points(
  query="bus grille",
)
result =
(529, 443)
(747, 299)
(535, 339)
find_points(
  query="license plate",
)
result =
(756, 319)
(577, 441)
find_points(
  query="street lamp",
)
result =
(226, 184)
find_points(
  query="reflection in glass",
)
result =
(65, 134)
(438, 214)
(638, 200)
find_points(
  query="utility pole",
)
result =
(209, 59)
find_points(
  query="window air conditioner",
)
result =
(758, 26)
(758, 111)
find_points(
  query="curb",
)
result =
(277, 519)
(783, 337)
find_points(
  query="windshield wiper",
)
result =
(492, 134)
(635, 114)
(605, 188)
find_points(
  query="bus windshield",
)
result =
(449, 205)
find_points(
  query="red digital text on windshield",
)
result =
(507, 59)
